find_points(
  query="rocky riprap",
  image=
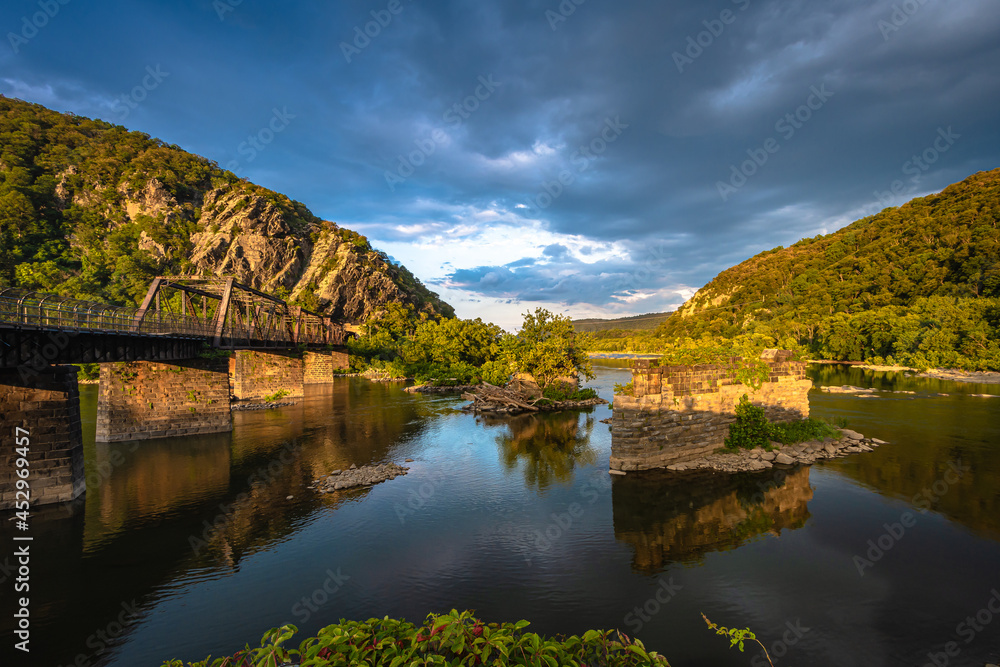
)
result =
(246, 407)
(805, 453)
(340, 480)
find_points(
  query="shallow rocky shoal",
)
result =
(805, 453)
(340, 480)
(245, 407)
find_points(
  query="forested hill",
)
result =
(919, 283)
(93, 211)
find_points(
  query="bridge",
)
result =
(170, 367)
(177, 318)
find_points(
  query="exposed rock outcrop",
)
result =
(172, 212)
(341, 480)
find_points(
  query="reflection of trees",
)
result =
(917, 473)
(548, 446)
(681, 518)
(928, 435)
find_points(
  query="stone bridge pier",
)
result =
(137, 400)
(255, 374)
(320, 367)
(40, 417)
(681, 413)
(140, 400)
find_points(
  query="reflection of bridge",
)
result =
(169, 367)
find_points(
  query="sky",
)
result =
(596, 158)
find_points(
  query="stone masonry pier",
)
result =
(139, 400)
(682, 413)
(45, 403)
(320, 366)
(256, 375)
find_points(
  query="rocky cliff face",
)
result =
(242, 232)
(93, 211)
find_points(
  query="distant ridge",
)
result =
(633, 322)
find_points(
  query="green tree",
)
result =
(546, 347)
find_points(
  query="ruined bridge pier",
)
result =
(154, 382)
(678, 414)
(140, 400)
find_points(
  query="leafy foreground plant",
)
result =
(456, 638)
(736, 636)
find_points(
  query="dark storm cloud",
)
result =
(617, 123)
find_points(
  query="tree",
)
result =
(546, 348)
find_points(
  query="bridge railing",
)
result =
(28, 309)
(50, 311)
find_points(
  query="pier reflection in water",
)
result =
(670, 518)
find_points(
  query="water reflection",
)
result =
(547, 447)
(151, 478)
(938, 427)
(198, 504)
(680, 518)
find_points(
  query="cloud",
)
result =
(469, 218)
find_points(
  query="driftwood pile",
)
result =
(507, 400)
(490, 398)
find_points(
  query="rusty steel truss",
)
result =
(177, 317)
(234, 315)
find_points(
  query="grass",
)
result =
(790, 433)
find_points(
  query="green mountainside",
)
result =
(93, 211)
(918, 284)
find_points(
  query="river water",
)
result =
(191, 546)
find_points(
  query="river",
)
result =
(191, 546)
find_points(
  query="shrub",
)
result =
(496, 372)
(276, 396)
(445, 375)
(625, 389)
(751, 429)
(789, 433)
(89, 371)
(450, 639)
(563, 391)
